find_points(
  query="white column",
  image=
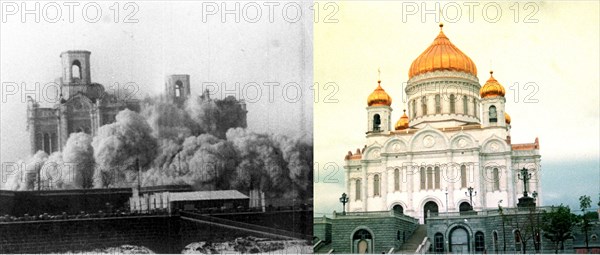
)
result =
(384, 188)
(409, 182)
(451, 185)
(365, 185)
(510, 182)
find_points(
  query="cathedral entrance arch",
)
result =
(362, 242)
(459, 240)
(430, 207)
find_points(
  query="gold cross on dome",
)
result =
(378, 74)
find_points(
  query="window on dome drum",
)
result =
(495, 240)
(438, 246)
(452, 103)
(465, 103)
(496, 176)
(414, 108)
(518, 246)
(463, 176)
(396, 179)
(424, 105)
(437, 177)
(493, 114)
(438, 105)
(376, 122)
(422, 177)
(376, 185)
(479, 242)
(76, 70)
(178, 88)
(475, 107)
(429, 178)
(357, 190)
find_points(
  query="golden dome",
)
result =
(492, 88)
(379, 97)
(507, 118)
(402, 122)
(442, 55)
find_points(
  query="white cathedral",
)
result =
(451, 153)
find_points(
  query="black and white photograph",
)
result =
(156, 127)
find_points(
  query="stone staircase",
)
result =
(411, 245)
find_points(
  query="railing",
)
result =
(488, 212)
(391, 251)
(389, 213)
(215, 220)
(317, 245)
(423, 247)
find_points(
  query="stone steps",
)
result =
(411, 245)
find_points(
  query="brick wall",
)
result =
(487, 225)
(384, 230)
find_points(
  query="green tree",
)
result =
(557, 225)
(585, 202)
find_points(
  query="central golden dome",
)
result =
(442, 55)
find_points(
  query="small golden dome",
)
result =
(492, 88)
(402, 122)
(379, 97)
(442, 55)
(507, 118)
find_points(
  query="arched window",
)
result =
(362, 242)
(376, 185)
(495, 240)
(429, 178)
(76, 70)
(452, 103)
(357, 190)
(396, 179)
(479, 242)
(178, 88)
(376, 122)
(463, 176)
(475, 113)
(424, 105)
(438, 243)
(53, 142)
(518, 246)
(496, 176)
(493, 114)
(465, 103)
(438, 105)
(47, 143)
(423, 181)
(437, 177)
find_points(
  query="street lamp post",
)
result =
(344, 199)
(470, 193)
(525, 176)
(526, 201)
